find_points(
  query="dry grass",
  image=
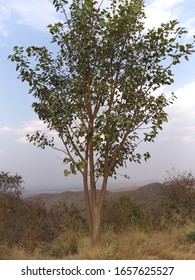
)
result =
(19, 253)
(132, 244)
(140, 245)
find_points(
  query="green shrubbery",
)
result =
(122, 214)
(191, 236)
(65, 244)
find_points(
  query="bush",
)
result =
(65, 244)
(122, 214)
(30, 224)
(27, 224)
(191, 236)
(178, 204)
(180, 193)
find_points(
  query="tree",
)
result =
(179, 195)
(98, 90)
(10, 192)
(10, 184)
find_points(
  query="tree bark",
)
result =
(95, 235)
(94, 204)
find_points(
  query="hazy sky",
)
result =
(24, 23)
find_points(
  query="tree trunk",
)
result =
(94, 207)
(93, 221)
(95, 234)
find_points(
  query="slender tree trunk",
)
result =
(93, 220)
(87, 203)
(94, 205)
(95, 235)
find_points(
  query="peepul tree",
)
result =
(97, 91)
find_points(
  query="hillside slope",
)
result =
(148, 195)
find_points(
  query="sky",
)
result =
(24, 23)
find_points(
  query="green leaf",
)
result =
(67, 173)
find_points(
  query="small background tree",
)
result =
(10, 184)
(178, 205)
(98, 91)
(11, 190)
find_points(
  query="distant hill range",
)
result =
(149, 194)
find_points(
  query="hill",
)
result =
(148, 195)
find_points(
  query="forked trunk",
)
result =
(93, 210)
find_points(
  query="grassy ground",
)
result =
(131, 244)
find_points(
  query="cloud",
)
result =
(162, 11)
(5, 15)
(39, 13)
(23, 129)
(29, 127)
(34, 13)
(6, 129)
(190, 26)
(188, 139)
(185, 102)
(181, 115)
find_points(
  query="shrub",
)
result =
(65, 244)
(122, 214)
(22, 221)
(191, 236)
(178, 205)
